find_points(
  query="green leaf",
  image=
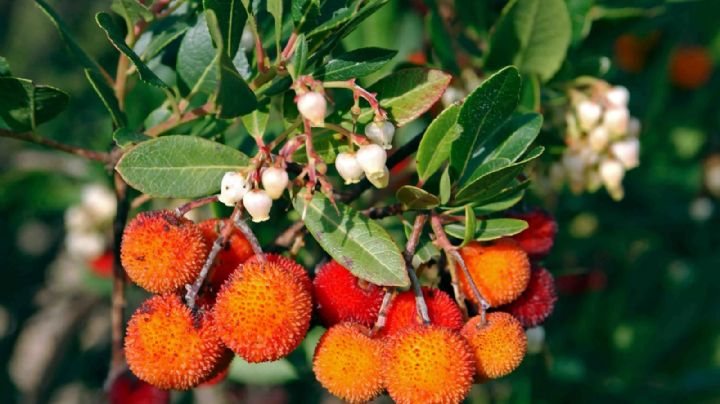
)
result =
(407, 94)
(416, 198)
(132, 11)
(491, 229)
(231, 17)
(299, 58)
(195, 59)
(24, 105)
(492, 177)
(580, 18)
(437, 141)
(503, 200)
(533, 35)
(325, 142)
(355, 64)
(355, 241)
(483, 111)
(107, 96)
(441, 41)
(303, 10)
(125, 137)
(530, 94)
(425, 250)
(163, 33)
(470, 225)
(522, 130)
(445, 186)
(106, 22)
(4, 67)
(256, 122)
(275, 8)
(234, 97)
(179, 166)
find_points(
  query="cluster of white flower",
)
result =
(235, 187)
(370, 159)
(88, 223)
(601, 138)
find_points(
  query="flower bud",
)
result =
(599, 138)
(348, 167)
(618, 96)
(99, 202)
(616, 121)
(380, 133)
(588, 114)
(275, 181)
(258, 203)
(611, 173)
(232, 188)
(78, 219)
(372, 159)
(84, 245)
(380, 179)
(627, 151)
(312, 106)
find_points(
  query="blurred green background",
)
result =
(638, 318)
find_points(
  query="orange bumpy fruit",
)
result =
(169, 346)
(499, 345)
(427, 364)
(500, 270)
(347, 362)
(690, 67)
(289, 265)
(221, 370)
(403, 314)
(234, 252)
(162, 252)
(537, 301)
(262, 312)
(341, 296)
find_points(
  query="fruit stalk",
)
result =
(408, 255)
(382, 313)
(183, 209)
(118, 285)
(250, 236)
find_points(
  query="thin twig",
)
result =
(183, 209)
(117, 314)
(184, 118)
(250, 236)
(382, 313)
(457, 290)
(443, 242)
(78, 151)
(408, 255)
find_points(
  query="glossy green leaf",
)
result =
(355, 64)
(299, 58)
(256, 122)
(530, 94)
(483, 111)
(125, 137)
(275, 8)
(416, 198)
(491, 229)
(132, 10)
(231, 17)
(113, 33)
(445, 186)
(486, 182)
(163, 33)
(437, 141)
(407, 94)
(503, 200)
(355, 241)
(234, 96)
(195, 59)
(470, 225)
(513, 139)
(24, 105)
(533, 35)
(179, 166)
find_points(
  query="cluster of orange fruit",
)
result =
(261, 310)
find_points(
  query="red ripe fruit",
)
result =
(289, 265)
(102, 266)
(127, 388)
(537, 301)
(341, 296)
(402, 313)
(234, 252)
(169, 346)
(538, 238)
(162, 252)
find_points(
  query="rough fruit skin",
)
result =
(347, 362)
(341, 296)
(499, 346)
(537, 301)
(427, 364)
(289, 265)
(500, 270)
(127, 388)
(537, 240)
(235, 251)
(262, 312)
(402, 313)
(168, 346)
(221, 370)
(162, 252)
